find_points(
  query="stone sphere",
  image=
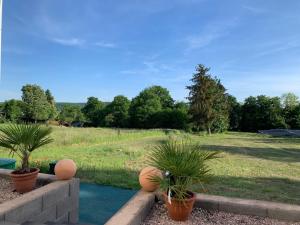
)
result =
(65, 169)
(145, 176)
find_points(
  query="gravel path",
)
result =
(6, 191)
(199, 216)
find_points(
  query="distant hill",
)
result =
(60, 105)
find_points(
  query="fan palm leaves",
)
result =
(23, 139)
(184, 164)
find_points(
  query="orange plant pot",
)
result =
(24, 182)
(179, 210)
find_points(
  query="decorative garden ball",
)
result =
(145, 176)
(65, 169)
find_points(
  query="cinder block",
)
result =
(5, 172)
(26, 211)
(56, 192)
(73, 216)
(206, 202)
(64, 206)
(63, 219)
(284, 212)
(8, 223)
(74, 187)
(243, 207)
(135, 210)
(48, 214)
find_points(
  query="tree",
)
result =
(51, 101)
(289, 100)
(118, 110)
(234, 108)
(71, 114)
(151, 100)
(291, 110)
(92, 110)
(163, 94)
(36, 105)
(12, 110)
(207, 97)
(261, 113)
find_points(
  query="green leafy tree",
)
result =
(261, 113)
(92, 111)
(169, 118)
(70, 114)
(51, 101)
(150, 101)
(12, 110)
(234, 113)
(289, 100)
(119, 111)
(291, 110)
(208, 101)
(292, 116)
(36, 105)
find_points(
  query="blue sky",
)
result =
(82, 48)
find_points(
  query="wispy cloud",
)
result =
(278, 47)
(252, 9)
(105, 44)
(209, 34)
(16, 50)
(69, 42)
(149, 68)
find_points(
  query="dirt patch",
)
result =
(199, 216)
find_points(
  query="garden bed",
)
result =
(51, 201)
(199, 216)
(7, 191)
(143, 208)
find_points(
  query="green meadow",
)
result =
(251, 165)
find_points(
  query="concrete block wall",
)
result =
(58, 201)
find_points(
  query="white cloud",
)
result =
(149, 68)
(106, 45)
(69, 42)
(253, 9)
(209, 33)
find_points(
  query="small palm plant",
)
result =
(184, 165)
(23, 139)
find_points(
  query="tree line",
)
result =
(209, 107)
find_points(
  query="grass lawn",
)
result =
(252, 166)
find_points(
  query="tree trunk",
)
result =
(209, 130)
(25, 164)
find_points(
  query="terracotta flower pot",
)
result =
(24, 182)
(180, 210)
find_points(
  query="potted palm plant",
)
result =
(22, 140)
(183, 165)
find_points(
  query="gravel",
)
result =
(158, 215)
(7, 191)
